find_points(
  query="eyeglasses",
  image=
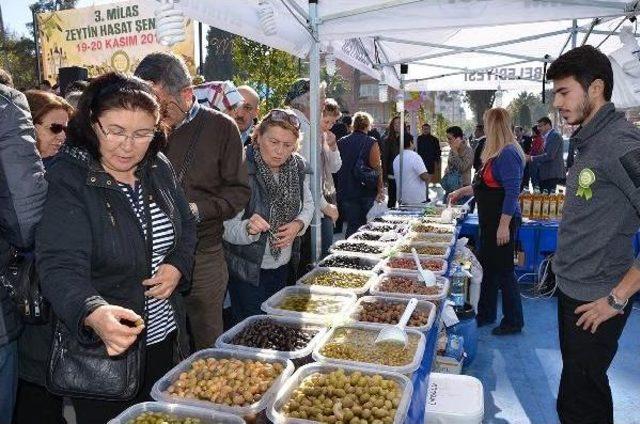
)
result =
(119, 136)
(282, 115)
(57, 128)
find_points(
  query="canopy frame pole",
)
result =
(622, 7)
(297, 8)
(362, 10)
(404, 69)
(314, 137)
(574, 34)
(589, 32)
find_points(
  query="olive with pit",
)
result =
(162, 418)
(359, 248)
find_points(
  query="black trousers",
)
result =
(35, 404)
(392, 192)
(158, 362)
(584, 396)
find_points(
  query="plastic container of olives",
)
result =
(277, 416)
(432, 228)
(159, 389)
(383, 227)
(226, 339)
(445, 248)
(321, 303)
(341, 277)
(370, 249)
(371, 331)
(181, 412)
(350, 262)
(384, 265)
(440, 291)
(413, 237)
(375, 236)
(394, 218)
(424, 306)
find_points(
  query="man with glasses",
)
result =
(206, 152)
(247, 112)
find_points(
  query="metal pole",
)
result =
(574, 34)
(201, 70)
(314, 118)
(401, 140)
(36, 40)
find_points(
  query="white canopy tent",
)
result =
(449, 44)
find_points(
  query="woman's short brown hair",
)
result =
(331, 108)
(362, 121)
(42, 102)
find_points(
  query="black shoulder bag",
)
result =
(363, 173)
(21, 282)
(87, 371)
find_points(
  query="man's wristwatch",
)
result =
(616, 303)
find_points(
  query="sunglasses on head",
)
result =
(57, 128)
(281, 115)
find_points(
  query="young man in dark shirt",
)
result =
(429, 150)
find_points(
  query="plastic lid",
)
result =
(206, 416)
(454, 399)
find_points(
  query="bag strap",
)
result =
(188, 156)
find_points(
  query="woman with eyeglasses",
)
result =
(262, 243)
(50, 115)
(114, 250)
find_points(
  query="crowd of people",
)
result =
(143, 209)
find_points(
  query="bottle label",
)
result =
(537, 208)
(526, 208)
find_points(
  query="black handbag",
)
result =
(87, 371)
(363, 173)
(21, 281)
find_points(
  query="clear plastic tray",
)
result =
(206, 416)
(450, 228)
(224, 341)
(423, 305)
(158, 391)
(384, 248)
(407, 369)
(394, 218)
(430, 237)
(380, 227)
(296, 379)
(357, 236)
(373, 262)
(344, 300)
(357, 291)
(445, 246)
(443, 284)
(384, 265)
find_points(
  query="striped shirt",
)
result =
(160, 319)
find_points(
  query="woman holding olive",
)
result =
(115, 246)
(496, 188)
(262, 242)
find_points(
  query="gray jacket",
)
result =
(23, 190)
(550, 163)
(595, 247)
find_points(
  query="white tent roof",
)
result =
(370, 33)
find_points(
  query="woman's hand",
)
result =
(330, 140)
(164, 282)
(454, 196)
(331, 211)
(287, 233)
(106, 322)
(257, 224)
(502, 236)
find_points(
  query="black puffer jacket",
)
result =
(90, 250)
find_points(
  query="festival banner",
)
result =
(110, 37)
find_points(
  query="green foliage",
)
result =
(479, 101)
(19, 59)
(269, 71)
(527, 108)
(337, 86)
(440, 127)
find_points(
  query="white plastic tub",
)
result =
(441, 282)
(445, 228)
(371, 263)
(206, 416)
(384, 265)
(406, 369)
(413, 237)
(423, 306)
(446, 247)
(158, 392)
(360, 234)
(224, 341)
(382, 248)
(343, 301)
(303, 281)
(276, 416)
(383, 227)
(454, 399)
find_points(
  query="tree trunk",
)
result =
(219, 63)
